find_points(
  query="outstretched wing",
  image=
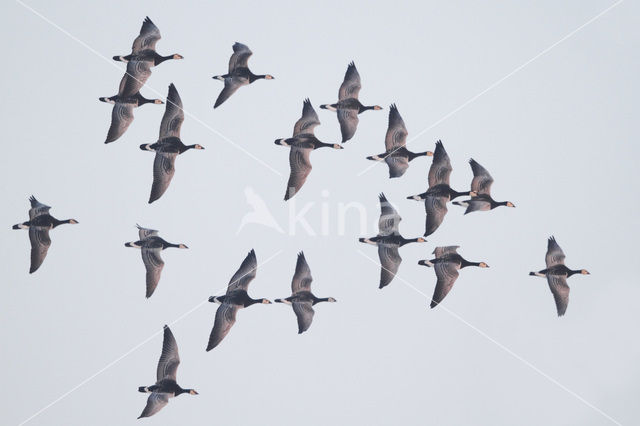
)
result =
(137, 74)
(245, 274)
(440, 169)
(231, 85)
(153, 264)
(308, 121)
(163, 171)
(40, 243)
(350, 87)
(300, 165)
(173, 115)
(389, 263)
(169, 359)
(560, 290)
(482, 180)
(225, 318)
(389, 221)
(304, 312)
(146, 232)
(302, 277)
(436, 208)
(442, 251)
(555, 255)
(348, 119)
(121, 119)
(149, 36)
(37, 208)
(447, 274)
(396, 131)
(155, 403)
(240, 56)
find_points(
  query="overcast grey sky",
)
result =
(559, 136)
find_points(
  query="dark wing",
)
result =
(149, 36)
(137, 74)
(231, 85)
(153, 264)
(225, 318)
(40, 243)
(348, 119)
(440, 169)
(300, 166)
(173, 115)
(560, 290)
(163, 171)
(447, 274)
(555, 255)
(121, 119)
(308, 121)
(146, 232)
(304, 312)
(37, 208)
(396, 131)
(482, 180)
(245, 274)
(155, 403)
(240, 57)
(477, 204)
(302, 277)
(350, 87)
(442, 251)
(169, 359)
(389, 263)
(436, 208)
(398, 165)
(389, 218)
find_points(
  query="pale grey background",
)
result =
(560, 137)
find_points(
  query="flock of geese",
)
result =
(446, 263)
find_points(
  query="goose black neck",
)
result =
(455, 194)
(413, 155)
(366, 108)
(251, 301)
(55, 222)
(321, 299)
(404, 241)
(168, 245)
(323, 145)
(573, 272)
(253, 77)
(142, 100)
(189, 147)
(464, 263)
(160, 59)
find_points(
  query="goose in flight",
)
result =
(481, 185)
(39, 224)
(302, 143)
(557, 274)
(447, 263)
(388, 241)
(127, 99)
(144, 46)
(168, 146)
(348, 106)
(439, 192)
(165, 386)
(236, 298)
(150, 245)
(396, 154)
(301, 299)
(239, 73)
